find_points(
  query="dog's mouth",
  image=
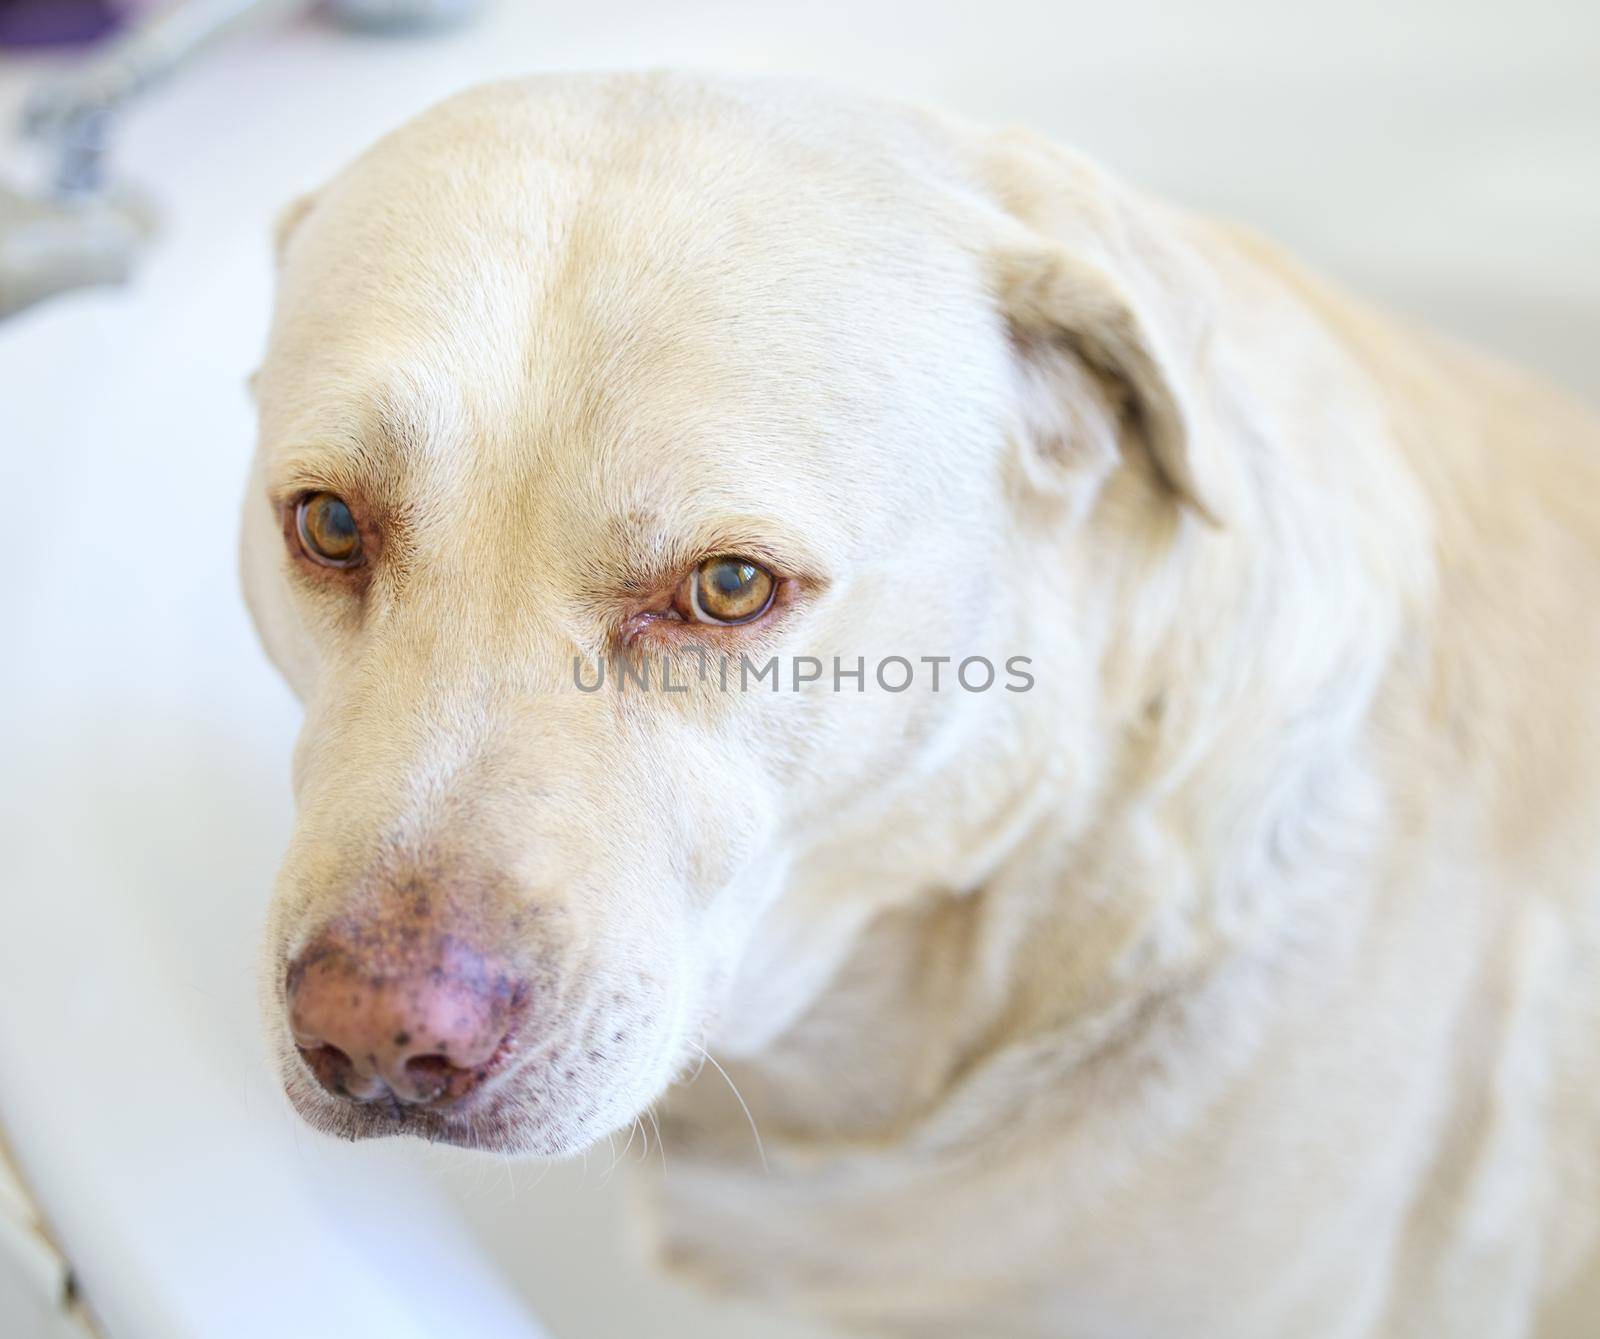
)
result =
(478, 1108)
(497, 1118)
(486, 1124)
(434, 1083)
(543, 1104)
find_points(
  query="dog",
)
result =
(1227, 964)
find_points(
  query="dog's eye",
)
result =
(730, 590)
(327, 530)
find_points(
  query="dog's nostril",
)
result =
(323, 1060)
(335, 1071)
(429, 1075)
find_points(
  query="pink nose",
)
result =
(418, 1018)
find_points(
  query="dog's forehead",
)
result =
(624, 298)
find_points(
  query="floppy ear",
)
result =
(1104, 301)
(289, 220)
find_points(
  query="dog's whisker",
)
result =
(761, 1151)
(661, 1142)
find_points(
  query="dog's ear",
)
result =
(288, 222)
(1111, 322)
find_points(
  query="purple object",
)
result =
(53, 23)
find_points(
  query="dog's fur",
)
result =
(1240, 979)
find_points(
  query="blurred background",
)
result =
(1442, 156)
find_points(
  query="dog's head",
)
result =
(748, 400)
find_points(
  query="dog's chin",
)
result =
(515, 1117)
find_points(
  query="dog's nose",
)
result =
(422, 1018)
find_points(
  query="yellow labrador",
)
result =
(1097, 732)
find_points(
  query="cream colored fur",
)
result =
(1242, 979)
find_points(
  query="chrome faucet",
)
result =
(80, 228)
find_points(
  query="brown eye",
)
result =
(730, 590)
(327, 530)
